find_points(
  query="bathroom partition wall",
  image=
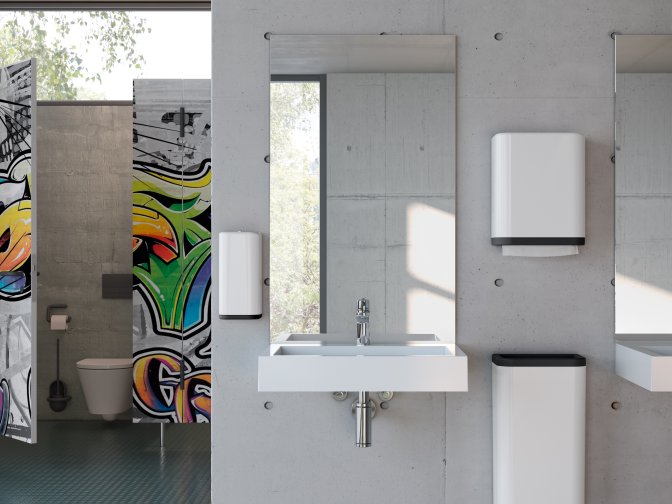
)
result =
(171, 251)
(17, 259)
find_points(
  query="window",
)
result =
(295, 205)
(95, 55)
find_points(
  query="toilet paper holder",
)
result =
(53, 307)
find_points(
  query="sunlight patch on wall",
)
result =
(431, 253)
(642, 308)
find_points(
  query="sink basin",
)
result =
(646, 362)
(398, 363)
(382, 350)
(349, 339)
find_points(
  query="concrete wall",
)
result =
(84, 227)
(552, 71)
(643, 203)
(391, 172)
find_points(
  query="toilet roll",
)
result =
(59, 322)
(539, 250)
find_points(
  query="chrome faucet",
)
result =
(363, 406)
(362, 319)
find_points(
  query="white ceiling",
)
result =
(644, 53)
(323, 54)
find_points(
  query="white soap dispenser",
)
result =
(240, 282)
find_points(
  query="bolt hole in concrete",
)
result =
(499, 282)
(386, 395)
(268, 405)
(499, 36)
(339, 396)
(615, 405)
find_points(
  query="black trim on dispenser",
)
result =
(539, 360)
(240, 317)
(533, 240)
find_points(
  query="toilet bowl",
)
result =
(107, 385)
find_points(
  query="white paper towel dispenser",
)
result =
(538, 189)
(240, 282)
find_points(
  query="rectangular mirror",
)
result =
(643, 234)
(362, 183)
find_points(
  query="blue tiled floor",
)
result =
(99, 462)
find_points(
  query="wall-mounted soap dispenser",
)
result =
(240, 282)
(538, 189)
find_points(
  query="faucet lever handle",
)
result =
(362, 304)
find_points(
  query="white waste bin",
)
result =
(539, 419)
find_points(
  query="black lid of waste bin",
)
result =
(539, 360)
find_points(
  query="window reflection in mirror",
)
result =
(295, 206)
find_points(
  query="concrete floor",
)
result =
(96, 462)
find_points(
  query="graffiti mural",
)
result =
(16, 244)
(157, 386)
(171, 251)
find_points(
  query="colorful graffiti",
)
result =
(171, 251)
(16, 98)
(15, 183)
(158, 389)
(171, 247)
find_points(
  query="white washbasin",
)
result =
(646, 362)
(383, 350)
(329, 363)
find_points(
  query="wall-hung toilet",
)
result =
(107, 385)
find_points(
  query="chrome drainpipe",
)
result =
(364, 406)
(363, 414)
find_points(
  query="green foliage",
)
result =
(295, 208)
(48, 37)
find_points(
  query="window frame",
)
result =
(322, 80)
(103, 5)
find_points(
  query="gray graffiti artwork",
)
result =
(15, 250)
